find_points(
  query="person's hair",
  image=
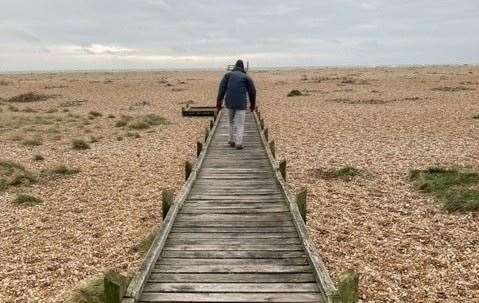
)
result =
(240, 64)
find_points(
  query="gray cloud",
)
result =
(87, 34)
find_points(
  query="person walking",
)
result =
(235, 89)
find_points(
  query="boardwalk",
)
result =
(234, 238)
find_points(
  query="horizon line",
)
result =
(259, 68)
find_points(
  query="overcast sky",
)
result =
(118, 34)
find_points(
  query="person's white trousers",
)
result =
(236, 125)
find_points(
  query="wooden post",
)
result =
(282, 168)
(348, 290)
(301, 202)
(266, 133)
(207, 133)
(215, 115)
(212, 123)
(188, 168)
(261, 122)
(258, 113)
(113, 288)
(199, 147)
(272, 147)
(166, 201)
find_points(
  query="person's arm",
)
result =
(222, 91)
(251, 94)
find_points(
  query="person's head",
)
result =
(240, 64)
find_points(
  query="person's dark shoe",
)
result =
(239, 146)
(231, 144)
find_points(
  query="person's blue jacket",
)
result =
(235, 88)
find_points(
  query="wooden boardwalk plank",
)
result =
(229, 241)
(235, 247)
(232, 268)
(272, 229)
(237, 278)
(244, 261)
(202, 235)
(230, 297)
(231, 254)
(230, 287)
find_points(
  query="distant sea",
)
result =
(259, 68)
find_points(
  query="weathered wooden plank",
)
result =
(231, 254)
(200, 210)
(233, 224)
(234, 217)
(230, 297)
(233, 197)
(244, 261)
(230, 287)
(272, 247)
(237, 241)
(233, 205)
(235, 177)
(239, 190)
(229, 170)
(207, 185)
(236, 229)
(233, 268)
(237, 278)
(237, 193)
(238, 235)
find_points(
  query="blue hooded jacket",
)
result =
(236, 88)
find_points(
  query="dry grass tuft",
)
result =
(93, 290)
(32, 142)
(14, 174)
(295, 93)
(30, 97)
(5, 83)
(80, 144)
(451, 89)
(60, 170)
(455, 188)
(24, 199)
(95, 114)
(346, 173)
(38, 158)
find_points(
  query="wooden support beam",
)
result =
(199, 148)
(266, 133)
(261, 123)
(282, 168)
(167, 200)
(301, 202)
(272, 147)
(215, 115)
(212, 122)
(188, 168)
(113, 288)
(348, 288)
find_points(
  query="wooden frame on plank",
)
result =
(136, 285)
(324, 282)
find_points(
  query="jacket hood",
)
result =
(239, 65)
